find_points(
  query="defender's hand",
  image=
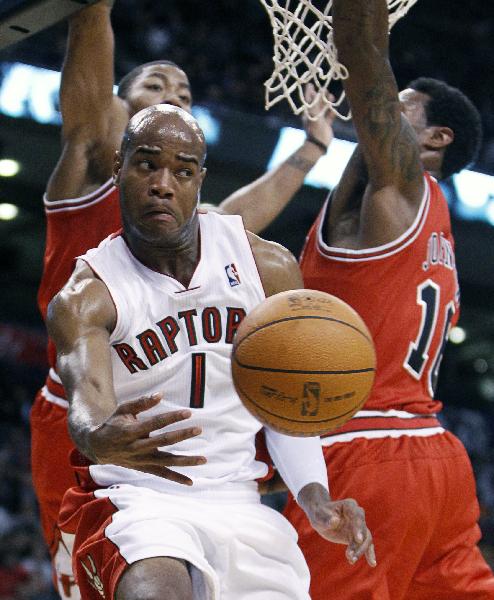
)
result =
(341, 522)
(125, 441)
(322, 128)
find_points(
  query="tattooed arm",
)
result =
(389, 153)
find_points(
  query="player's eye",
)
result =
(155, 87)
(145, 163)
(184, 172)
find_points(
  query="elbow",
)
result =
(51, 314)
(80, 435)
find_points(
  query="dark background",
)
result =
(225, 47)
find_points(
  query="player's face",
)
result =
(160, 84)
(413, 106)
(160, 178)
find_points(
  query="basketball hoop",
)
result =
(304, 52)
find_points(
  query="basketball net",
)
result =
(304, 52)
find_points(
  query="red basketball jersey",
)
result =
(72, 228)
(407, 293)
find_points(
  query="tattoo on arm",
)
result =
(392, 135)
(302, 164)
(407, 155)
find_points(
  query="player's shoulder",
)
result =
(83, 298)
(79, 283)
(278, 268)
(268, 250)
(82, 285)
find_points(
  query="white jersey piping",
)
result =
(381, 433)
(70, 204)
(367, 254)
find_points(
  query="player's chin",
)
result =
(160, 218)
(160, 225)
(159, 236)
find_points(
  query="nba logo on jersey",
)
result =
(232, 274)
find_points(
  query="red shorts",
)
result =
(51, 471)
(421, 507)
(98, 559)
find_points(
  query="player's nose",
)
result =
(161, 184)
(173, 99)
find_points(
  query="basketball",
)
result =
(303, 362)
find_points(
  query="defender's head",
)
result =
(157, 82)
(447, 125)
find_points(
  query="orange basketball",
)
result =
(303, 362)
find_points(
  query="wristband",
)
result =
(299, 460)
(316, 142)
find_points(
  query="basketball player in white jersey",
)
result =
(143, 331)
(82, 208)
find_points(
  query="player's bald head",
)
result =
(161, 124)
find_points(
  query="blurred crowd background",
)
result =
(225, 46)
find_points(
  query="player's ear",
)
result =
(117, 165)
(439, 137)
(202, 175)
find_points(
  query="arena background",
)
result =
(225, 47)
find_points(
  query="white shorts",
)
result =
(237, 550)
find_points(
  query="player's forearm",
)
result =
(90, 405)
(87, 378)
(300, 461)
(358, 26)
(260, 202)
(87, 73)
(82, 421)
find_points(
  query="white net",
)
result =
(304, 53)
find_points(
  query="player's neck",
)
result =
(176, 258)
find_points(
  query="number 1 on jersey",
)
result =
(198, 380)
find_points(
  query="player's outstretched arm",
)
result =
(300, 461)
(89, 108)
(387, 141)
(260, 202)
(80, 319)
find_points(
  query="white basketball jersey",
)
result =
(178, 341)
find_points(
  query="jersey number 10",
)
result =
(428, 297)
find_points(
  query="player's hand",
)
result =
(322, 128)
(125, 441)
(341, 522)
